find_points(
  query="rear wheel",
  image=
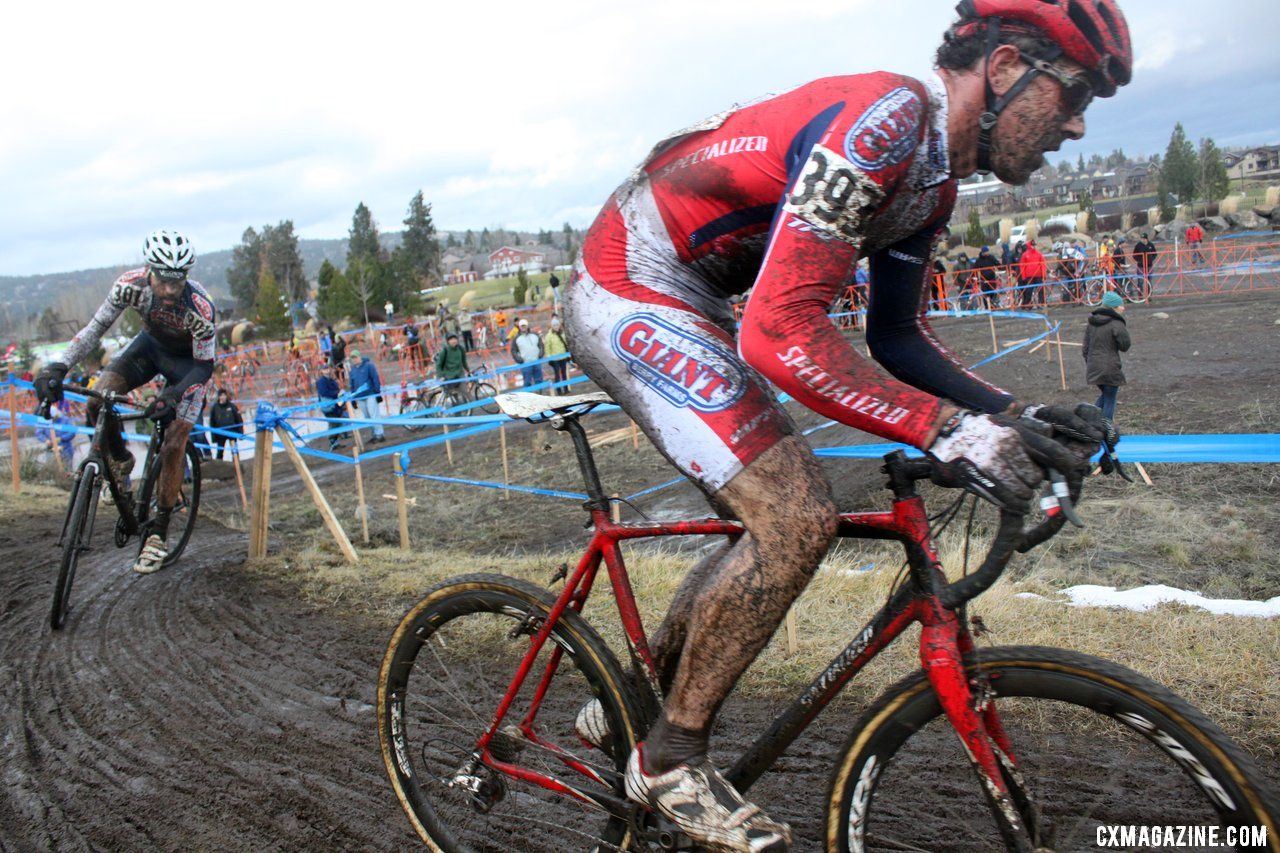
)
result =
(414, 407)
(182, 520)
(445, 671)
(1093, 291)
(1137, 289)
(75, 537)
(1097, 746)
(486, 392)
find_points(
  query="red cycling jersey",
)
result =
(783, 197)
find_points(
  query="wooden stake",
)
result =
(793, 638)
(995, 344)
(1146, 478)
(13, 438)
(351, 413)
(448, 445)
(363, 508)
(235, 463)
(317, 496)
(1062, 366)
(615, 509)
(506, 470)
(401, 504)
(261, 495)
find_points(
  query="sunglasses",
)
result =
(1077, 91)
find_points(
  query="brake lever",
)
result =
(1059, 495)
(1110, 464)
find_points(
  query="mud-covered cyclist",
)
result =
(177, 342)
(783, 197)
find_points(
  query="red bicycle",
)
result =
(482, 681)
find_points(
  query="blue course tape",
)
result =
(656, 488)
(1226, 449)
(532, 490)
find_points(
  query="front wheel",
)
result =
(75, 536)
(1097, 746)
(414, 407)
(1137, 289)
(1093, 292)
(485, 393)
(445, 671)
(182, 520)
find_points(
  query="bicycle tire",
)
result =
(1137, 291)
(184, 511)
(415, 405)
(421, 736)
(72, 546)
(1093, 292)
(485, 391)
(1048, 700)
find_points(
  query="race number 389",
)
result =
(834, 196)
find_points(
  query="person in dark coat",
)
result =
(224, 415)
(1144, 257)
(338, 356)
(985, 267)
(328, 391)
(1105, 337)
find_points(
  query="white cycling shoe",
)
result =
(152, 557)
(592, 726)
(706, 808)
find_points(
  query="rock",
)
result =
(1247, 220)
(1160, 315)
(1169, 230)
(1267, 212)
(1213, 223)
(1197, 352)
(1277, 322)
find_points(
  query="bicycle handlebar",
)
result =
(110, 397)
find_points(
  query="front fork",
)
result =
(966, 697)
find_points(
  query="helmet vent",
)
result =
(1110, 21)
(1085, 24)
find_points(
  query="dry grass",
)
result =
(1215, 662)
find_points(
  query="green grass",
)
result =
(495, 293)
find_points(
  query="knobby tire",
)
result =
(77, 523)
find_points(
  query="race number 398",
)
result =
(833, 195)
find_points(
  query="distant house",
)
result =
(509, 260)
(461, 276)
(1255, 163)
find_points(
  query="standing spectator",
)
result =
(1006, 255)
(984, 267)
(939, 292)
(1032, 270)
(365, 383)
(451, 361)
(326, 344)
(413, 343)
(464, 323)
(481, 334)
(1195, 239)
(1120, 260)
(555, 348)
(1106, 336)
(390, 311)
(328, 391)
(59, 440)
(1144, 258)
(450, 325)
(338, 354)
(1013, 274)
(225, 416)
(527, 348)
(500, 327)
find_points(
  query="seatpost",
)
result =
(586, 461)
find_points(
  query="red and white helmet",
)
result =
(1091, 32)
(167, 251)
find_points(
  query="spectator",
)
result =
(1006, 255)
(338, 356)
(555, 348)
(481, 334)
(225, 416)
(450, 324)
(59, 440)
(326, 344)
(464, 322)
(1105, 337)
(1144, 258)
(390, 311)
(500, 328)
(328, 391)
(938, 294)
(1195, 239)
(413, 343)
(1032, 269)
(527, 348)
(451, 361)
(984, 267)
(963, 281)
(365, 383)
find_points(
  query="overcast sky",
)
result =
(116, 118)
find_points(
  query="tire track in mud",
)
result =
(199, 707)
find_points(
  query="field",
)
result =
(224, 704)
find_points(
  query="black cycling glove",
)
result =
(49, 382)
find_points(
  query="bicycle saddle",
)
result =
(525, 404)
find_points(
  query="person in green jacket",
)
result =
(557, 350)
(451, 361)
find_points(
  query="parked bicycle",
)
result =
(1132, 288)
(483, 679)
(135, 511)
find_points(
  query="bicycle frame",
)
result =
(945, 646)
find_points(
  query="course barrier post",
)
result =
(261, 494)
(235, 463)
(317, 496)
(15, 460)
(1062, 367)
(402, 503)
(995, 343)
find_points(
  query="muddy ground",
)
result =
(212, 707)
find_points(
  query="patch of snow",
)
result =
(1144, 598)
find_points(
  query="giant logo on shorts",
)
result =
(885, 134)
(688, 371)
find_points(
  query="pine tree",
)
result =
(1213, 182)
(1080, 164)
(246, 265)
(1086, 205)
(421, 249)
(280, 249)
(451, 242)
(469, 241)
(1181, 168)
(362, 239)
(335, 296)
(269, 308)
(974, 236)
(567, 230)
(484, 240)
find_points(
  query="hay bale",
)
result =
(1229, 205)
(1006, 226)
(1033, 228)
(467, 300)
(1273, 197)
(242, 333)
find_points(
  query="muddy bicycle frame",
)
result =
(946, 645)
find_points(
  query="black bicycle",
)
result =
(136, 512)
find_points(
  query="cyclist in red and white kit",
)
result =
(782, 198)
(177, 341)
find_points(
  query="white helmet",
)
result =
(167, 251)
